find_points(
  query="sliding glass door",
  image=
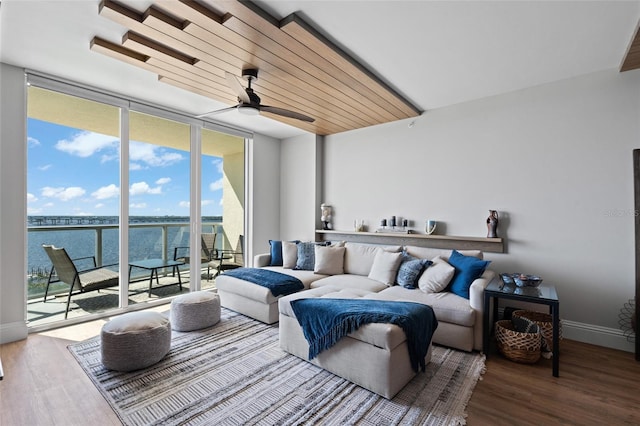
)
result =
(73, 199)
(136, 188)
(159, 218)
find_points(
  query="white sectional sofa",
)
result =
(357, 267)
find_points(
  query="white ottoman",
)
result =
(193, 311)
(135, 340)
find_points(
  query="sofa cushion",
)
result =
(350, 281)
(307, 277)
(468, 268)
(448, 307)
(410, 270)
(329, 260)
(382, 335)
(289, 254)
(276, 253)
(306, 256)
(385, 267)
(437, 276)
(358, 257)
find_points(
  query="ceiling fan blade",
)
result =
(286, 113)
(237, 87)
(218, 111)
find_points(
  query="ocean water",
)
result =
(144, 242)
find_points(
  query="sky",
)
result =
(73, 172)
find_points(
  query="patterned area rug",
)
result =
(236, 374)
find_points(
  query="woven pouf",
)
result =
(135, 340)
(193, 311)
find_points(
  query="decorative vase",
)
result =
(325, 216)
(492, 224)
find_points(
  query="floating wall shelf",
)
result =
(494, 245)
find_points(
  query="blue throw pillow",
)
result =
(306, 256)
(276, 253)
(410, 270)
(468, 268)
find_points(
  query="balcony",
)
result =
(149, 238)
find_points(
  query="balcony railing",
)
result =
(99, 237)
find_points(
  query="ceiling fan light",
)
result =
(248, 110)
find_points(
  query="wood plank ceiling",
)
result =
(631, 60)
(192, 45)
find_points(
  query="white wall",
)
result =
(263, 206)
(299, 173)
(12, 204)
(554, 160)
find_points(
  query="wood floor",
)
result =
(43, 385)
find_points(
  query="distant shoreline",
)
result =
(57, 220)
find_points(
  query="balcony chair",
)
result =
(228, 259)
(207, 250)
(83, 281)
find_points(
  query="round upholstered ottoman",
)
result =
(193, 311)
(135, 340)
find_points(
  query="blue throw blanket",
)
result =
(324, 321)
(279, 284)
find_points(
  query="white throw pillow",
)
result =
(289, 254)
(329, 260)
(436, 277)
(385, 267)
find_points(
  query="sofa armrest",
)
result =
(476, 291)
(260, 260)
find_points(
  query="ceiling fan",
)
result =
(249, 101)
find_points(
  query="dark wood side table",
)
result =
(544, 294)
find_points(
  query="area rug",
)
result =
(236, 374)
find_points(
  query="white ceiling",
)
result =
(435, 53)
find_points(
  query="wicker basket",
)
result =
(516, 346)
(544, 321)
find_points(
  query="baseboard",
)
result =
(593, 334)
(596, 335)
(13, 331)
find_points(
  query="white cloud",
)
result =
(109, 191)
(85, 144)
(99, 206)
(135, 166)
(163, 181)
(208, 202)
(152, 155)
(137, 205)
(63, 194)
(33, 211)
(218, 164)
(33, 141)
(184, 204)
(216, 186)
(31, 198)
(140, 188)
(45, 167)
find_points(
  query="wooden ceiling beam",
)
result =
(631, 59)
